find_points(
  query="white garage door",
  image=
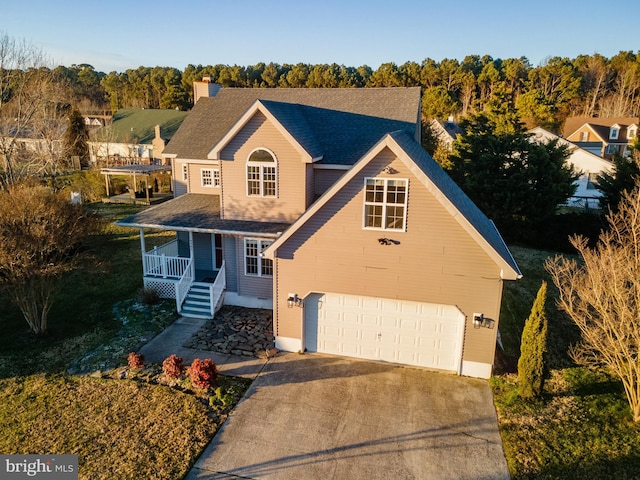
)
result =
(413, 333)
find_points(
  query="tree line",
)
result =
(588, 85)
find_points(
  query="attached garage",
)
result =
(399, 331)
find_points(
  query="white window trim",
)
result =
(614, 133)
(584, 136)
(262, 245)
(631, 133)
(214, 175)
(249, 163)
(385, 204)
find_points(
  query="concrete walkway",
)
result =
(172, 339)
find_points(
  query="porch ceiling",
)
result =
(197, 213)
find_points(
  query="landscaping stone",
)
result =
(237, 331)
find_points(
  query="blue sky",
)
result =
(118, 35)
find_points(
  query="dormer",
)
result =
(632, 131)
(614, 132)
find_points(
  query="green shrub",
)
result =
(531, 367)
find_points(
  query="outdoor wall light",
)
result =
(479, 320)
(389, 170)
(294, 300)
(388, 241)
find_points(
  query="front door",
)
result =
(217, 251)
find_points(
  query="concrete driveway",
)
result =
(325, 417)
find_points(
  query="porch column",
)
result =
(191, 256)
(106, 181)
(143, 249)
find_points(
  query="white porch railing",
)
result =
(164, 261)
(183, 285)
(217, 288)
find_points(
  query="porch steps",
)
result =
(197, 304)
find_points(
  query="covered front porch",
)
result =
(199, 292)
(204, 266)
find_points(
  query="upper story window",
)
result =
(262, 174)
(632, 132)
(613, 132)
(385, 203)
(210, 177)
(584, 136)
(254, 262)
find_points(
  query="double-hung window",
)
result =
(262, 174)
(385, 203)
(210, 177)
(255, 263)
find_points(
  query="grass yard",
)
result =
(130, 428)
(120, 429)
(581, 428)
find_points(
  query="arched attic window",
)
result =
(262, 174)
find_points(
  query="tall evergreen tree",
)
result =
(76, 138)
(531, 365)
(514, 180)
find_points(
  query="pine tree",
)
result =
(533, 346)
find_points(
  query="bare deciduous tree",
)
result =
(40, 233)
(23, 78)
(601, 294)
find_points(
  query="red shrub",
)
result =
(135, 360)
(203, 373)
(173, 366)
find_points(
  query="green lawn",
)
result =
(124, 429)
(581, 428)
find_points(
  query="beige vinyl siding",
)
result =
(291, 198)
(193, 184)
(195, 178)
(324, 178)
(577, 136)
(250, 285)
(180, 186)
(309, 187)
(434, 261)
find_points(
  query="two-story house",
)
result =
(604, 137)
(322, 205)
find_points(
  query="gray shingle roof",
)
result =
(197, 212)
(343, 123)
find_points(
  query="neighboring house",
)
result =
(587, 163)
(445, 132)
(321, 204)
(97, 121)
(134, 136)
(604, 137)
